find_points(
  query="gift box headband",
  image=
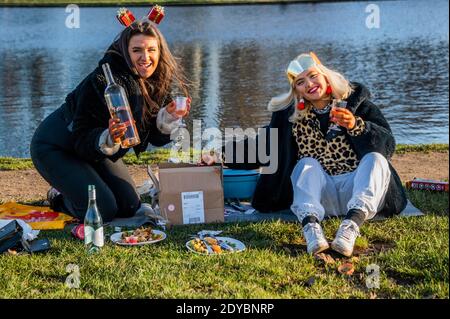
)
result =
(302, 63)
(126, 17)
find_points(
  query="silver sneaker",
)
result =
(147, 210)
(345, 238)
(52, 193)
(153, 213)
(315, 239)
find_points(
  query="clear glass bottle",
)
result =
(119, 107)
(93, 224)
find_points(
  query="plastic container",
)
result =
(239, 183)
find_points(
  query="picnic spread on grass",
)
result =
(205, 242)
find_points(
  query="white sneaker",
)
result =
(315, 239)
(345, 238)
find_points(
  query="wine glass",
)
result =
(334, 129)
(180, 111)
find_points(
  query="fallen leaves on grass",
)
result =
(12, 252)
(346, 269)
(325, 258)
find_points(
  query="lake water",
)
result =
(236, 56)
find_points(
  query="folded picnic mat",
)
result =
(38, 217)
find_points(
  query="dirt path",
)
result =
(28, 185)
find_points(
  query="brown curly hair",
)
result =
(168, 72)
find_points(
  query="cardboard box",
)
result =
(191, 194)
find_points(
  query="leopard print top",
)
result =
(336, 156)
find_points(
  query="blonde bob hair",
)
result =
(341, 90)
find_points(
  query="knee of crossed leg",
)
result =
(376, 158)
(306, 163)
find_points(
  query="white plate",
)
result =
(236, 244)
(117, 239)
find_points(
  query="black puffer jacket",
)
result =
(274, 191)
(87, 111)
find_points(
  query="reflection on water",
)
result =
(235, 57)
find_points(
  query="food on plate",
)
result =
(211, 241)
(143, 234)
(198, 245)
(214, 243)
(217, 246)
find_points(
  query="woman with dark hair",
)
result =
(78, 144)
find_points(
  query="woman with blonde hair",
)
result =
(79, 144)
(333, 147)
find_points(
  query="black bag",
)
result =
(10, 236)
(36, 245)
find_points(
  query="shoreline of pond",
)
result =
(108, 3)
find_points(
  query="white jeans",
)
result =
(319, 194)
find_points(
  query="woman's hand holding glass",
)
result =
(179, 107)
(343, 117)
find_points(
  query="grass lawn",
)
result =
(162, 154)
(412, 253)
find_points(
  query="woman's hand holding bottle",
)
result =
(116, 129)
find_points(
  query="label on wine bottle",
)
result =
(121, 108)
(98, 237)
(88, 234)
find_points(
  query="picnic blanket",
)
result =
(42, 218)
(38, 217)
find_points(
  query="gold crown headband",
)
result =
(126, 17)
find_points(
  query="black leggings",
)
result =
(53, 156)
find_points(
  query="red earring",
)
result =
(301, 105)
(329, 90)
